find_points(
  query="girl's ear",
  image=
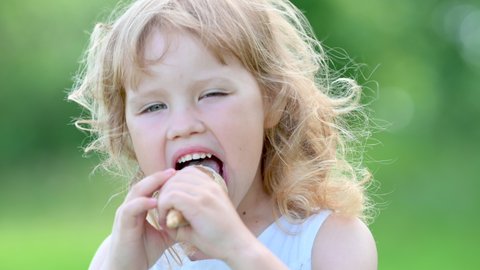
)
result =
(273, 111)
(127, 145)
(271, 119)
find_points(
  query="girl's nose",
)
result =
(184, 124)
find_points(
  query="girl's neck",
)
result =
(257, 209)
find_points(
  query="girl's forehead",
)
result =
(160, 44)
(149, 51)
(156, 45)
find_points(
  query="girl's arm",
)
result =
(254, 255)
(344, 243)
(100, 255)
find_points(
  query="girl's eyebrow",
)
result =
(213, 81)
(138, 95)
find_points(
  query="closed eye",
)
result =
(213, 94)
(155, 107)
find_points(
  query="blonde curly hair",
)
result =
(309, 151)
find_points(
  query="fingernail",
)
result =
(153, 202)
(170, 171)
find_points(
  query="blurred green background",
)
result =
(421, 72)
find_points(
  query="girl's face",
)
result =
(190, 105)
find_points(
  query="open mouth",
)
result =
(205, 159)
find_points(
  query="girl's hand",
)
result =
(215, 227)
(134, 243)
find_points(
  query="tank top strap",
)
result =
(292, 241)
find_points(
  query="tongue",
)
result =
(212, 164)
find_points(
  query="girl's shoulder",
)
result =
(324, 240)
(285, 227)
(344, 243)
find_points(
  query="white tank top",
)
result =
(291, 242)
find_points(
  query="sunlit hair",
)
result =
(311, 158)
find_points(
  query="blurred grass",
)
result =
(47, 244)
(57, 219)
(427, 205)
(53, 214)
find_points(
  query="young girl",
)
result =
(243, 87)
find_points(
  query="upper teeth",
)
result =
(193, 157)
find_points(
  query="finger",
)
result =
(131, 214)
(190, 180)
(211, 173)
(206, 174)
(147, 186)
(176, 199)
(153, 216)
